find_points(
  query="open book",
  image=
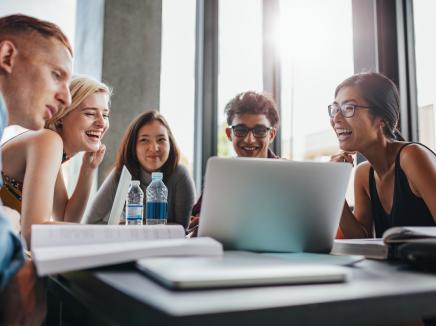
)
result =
(64, 248)
(386, 247)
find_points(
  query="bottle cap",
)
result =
(156, 175)
(135, 183)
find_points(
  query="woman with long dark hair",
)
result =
(148, 146)
(396, 186)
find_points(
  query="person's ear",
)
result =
(382, 124)
(8, 55)
(229, 133)
(272, 134)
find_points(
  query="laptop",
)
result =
(120, 197)
(269, 205)
(237, 269)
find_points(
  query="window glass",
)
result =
(240, 57)
(425, 52)
(316, 55)
(177, 86)
(316, 48)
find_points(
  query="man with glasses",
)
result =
(253, 120)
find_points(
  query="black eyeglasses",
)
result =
(347, 110)
(259, 131)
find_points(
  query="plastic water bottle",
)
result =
(135, 204)
(157, 196)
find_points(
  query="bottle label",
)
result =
(134, 212)
(156, 210)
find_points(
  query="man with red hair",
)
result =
(35, 71)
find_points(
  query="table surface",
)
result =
(376, 291)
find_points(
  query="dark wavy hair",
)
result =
(252, 103)
(126, 154)
(382, 97)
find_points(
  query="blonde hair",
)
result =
(81, 87)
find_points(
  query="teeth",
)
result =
(94, 133)
(341, 131)
(249, 148)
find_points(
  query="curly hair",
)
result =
(252, 103)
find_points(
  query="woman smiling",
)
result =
(397, 185)
(32, 174)
(148, 146)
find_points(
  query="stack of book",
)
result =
(64, 248)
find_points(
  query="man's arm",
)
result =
(11, 253)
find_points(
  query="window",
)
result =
(316, 51)
(240, 57)
(316, 55)
(425, 51)
(177, 86)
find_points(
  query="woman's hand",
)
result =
(192, 228)
(93, 159)
(343, 157)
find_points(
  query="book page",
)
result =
(79, 234)
(52, 260)
(404, 233)
(370, 248)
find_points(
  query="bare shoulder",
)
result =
(414, 153)
(361, 176)
(31, 139)
(44, 141)
(46, 137)
(416, 159)
(30, 149)
(362, 169)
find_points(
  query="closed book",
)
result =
(65, 248)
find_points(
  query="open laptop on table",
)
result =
(120, 197)
(267, 206)
(273, 205)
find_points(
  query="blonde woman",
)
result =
(32, 176)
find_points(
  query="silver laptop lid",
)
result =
(273, 205)
(120, 197)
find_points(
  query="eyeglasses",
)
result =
(259, 131)
(347, 110)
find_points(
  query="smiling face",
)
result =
(83, 128)
(250, 146)
(38, 81)
(152, 146)
(357, 132)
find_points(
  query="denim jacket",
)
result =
(11, 251)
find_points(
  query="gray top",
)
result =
(181, 195)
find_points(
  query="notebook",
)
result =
(272, 205)
(120, 197)
(236, 269)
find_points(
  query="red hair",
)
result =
(21, 24)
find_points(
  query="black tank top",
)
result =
(407, 209)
